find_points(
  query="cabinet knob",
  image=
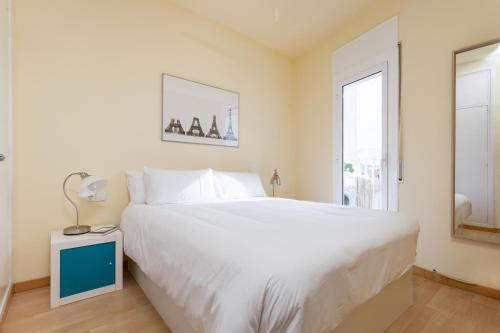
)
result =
(110, 263)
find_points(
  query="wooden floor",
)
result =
(127, 310)
(440, 308)
(437, 308)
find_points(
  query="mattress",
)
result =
(268, 265)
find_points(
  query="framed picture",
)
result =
(198, 113)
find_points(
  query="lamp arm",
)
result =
(81, 174)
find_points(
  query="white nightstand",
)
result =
(84, 266)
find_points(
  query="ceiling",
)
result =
(299, 24)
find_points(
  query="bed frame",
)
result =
(376, 315)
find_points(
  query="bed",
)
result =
(271, 265)
(463, 209)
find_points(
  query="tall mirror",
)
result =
(476, 115)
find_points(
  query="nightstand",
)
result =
(84, 266)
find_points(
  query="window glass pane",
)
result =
(362, 141)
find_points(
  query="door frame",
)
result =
(6, 35)
(389, 57)
(338, 130)
(376, 46)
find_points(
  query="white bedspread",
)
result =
(463, 209)
(268, 265)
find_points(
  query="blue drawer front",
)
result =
(86, 268)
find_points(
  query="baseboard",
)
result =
(5, 309)
(31, 284)
(430, 275)
(442, 279)
(39, 283)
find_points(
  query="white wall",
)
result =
(87, 96)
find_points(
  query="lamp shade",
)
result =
(90, 185)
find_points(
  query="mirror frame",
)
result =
(475, 235)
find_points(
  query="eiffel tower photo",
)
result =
(230, 134)
(175, 127)
(214, 132)
(196, 129)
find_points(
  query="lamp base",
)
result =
(76, 230)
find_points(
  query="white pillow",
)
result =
(172, 186)
(135, 184)
(238, 185)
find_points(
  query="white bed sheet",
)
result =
(463, 209)
(268, 265)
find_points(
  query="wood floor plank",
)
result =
(127, 310)
(437, 309)
(441, 309)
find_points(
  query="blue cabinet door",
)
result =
(87, 267)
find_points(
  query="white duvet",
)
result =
(268, 265)
(463, 209)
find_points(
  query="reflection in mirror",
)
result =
(477, 143)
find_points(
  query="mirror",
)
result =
(476, 144)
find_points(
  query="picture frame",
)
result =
(194, 112)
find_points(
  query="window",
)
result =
(366, 168)
(364, 149)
